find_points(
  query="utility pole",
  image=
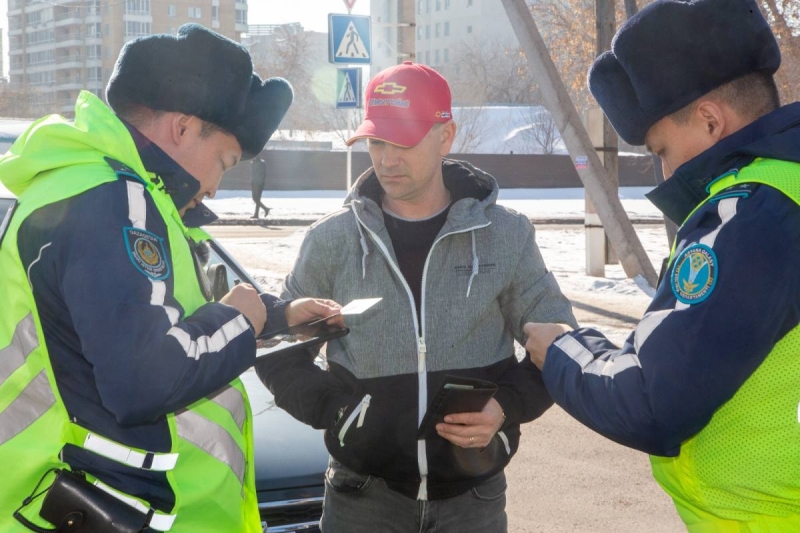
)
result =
(406, 31)
(606, 28)
(620, 230)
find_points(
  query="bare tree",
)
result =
(486, 71)
(17, 101)
(784, 17)
(537, 131)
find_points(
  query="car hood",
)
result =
(288, 453)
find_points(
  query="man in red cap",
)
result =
(459, 276)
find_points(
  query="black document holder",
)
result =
(297, 338)
(455, 400)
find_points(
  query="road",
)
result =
(564, 478)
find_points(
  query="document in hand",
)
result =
(297, 337)
(456, 395)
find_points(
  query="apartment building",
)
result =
(58, 49)
(441, 26)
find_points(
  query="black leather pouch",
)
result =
(74, 505)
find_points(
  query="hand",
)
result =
(540, 337)
(245, 299)
(473, 430)
(307, 309)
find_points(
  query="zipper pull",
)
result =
(423, 350)
(364, 406)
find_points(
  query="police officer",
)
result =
(112, 360)
(708, 381)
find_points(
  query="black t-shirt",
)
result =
(412, 241)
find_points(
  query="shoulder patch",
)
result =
(695, 274)
(740, 190)
(147, 253)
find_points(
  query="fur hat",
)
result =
(202, 73)
(673, 52)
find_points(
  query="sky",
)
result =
(312, 14)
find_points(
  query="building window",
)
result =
(469, 29)
(427, 6)
(446, 29)
(427, 31)
(137, 7)
(446, 55)
(195, 12)
(94, 73)
(438, 5)
(172, 11)
(447, 4)
(428, 57)
(214, 12)
(419, 7)
(436, 56)
(37, 37)
(94, 51)
(469, 3)
(135, 28)
(241, 16)
(94, 29)
(438, 26)
(420, 32)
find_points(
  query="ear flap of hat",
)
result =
(267, 104)
(612, 88)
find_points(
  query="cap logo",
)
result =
(390, 87)
(443, 114)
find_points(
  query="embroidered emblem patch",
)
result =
(147, 253)
(695, 274)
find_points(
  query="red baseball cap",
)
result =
(403, 104)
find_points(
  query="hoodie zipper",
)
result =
(422, 350)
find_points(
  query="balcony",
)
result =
(69, 39)
(69, 61)
(72, 83)
(65, 18)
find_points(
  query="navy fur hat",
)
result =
(202, 73)
(673, 52)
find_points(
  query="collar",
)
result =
(171, 178)
(769, 136)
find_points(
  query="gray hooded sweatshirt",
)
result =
(484, 278)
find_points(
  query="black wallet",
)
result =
(456, 395)
(74, 505)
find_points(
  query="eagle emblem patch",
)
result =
(147, 253)
(695, 274)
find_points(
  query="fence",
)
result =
(316, 170)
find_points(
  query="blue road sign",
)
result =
(348, 88)
(349, 39)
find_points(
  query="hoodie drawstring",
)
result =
(364, 246)
(475, 263)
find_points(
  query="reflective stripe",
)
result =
(159, 521)
(613, 366)
(215, 342)
(726, 209)
(137, 206)
(157, 298)
(213, 439)
(232, 401)
(32, 403)
(575, 350)
(589, 365)
(38, 258)
(122, 454)
(22, 345)
(647, 325)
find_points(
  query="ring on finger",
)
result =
(471, 440)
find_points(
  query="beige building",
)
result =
(57, 49)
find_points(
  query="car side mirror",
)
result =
(218, 277)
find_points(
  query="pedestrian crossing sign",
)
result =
(348, 88)
(349, 39)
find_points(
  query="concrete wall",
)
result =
(295, 170)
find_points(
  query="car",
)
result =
(290, 457)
